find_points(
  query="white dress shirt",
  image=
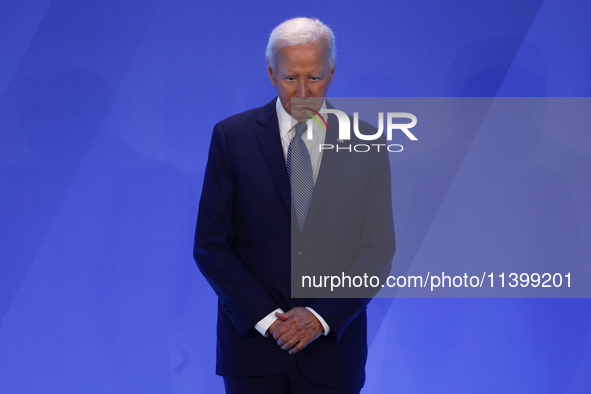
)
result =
(287, 132)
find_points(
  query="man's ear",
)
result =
(270, 70)
(331, 73)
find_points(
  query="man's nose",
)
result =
(302, 88)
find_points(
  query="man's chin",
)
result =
(302, 114)
(303, 108)
(300, 117)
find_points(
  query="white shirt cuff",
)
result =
(324, 325)
(263, 325)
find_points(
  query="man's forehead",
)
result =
(289, 73)
(318, 46)
(308, 73)
(295, 58)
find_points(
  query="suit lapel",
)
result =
(328, 166)
(270, 144)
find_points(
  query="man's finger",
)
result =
(292, 338)
(300, 346)
(286, 337)
(288, 330)
(284, 316)
(281, 330)
(298, 343)
(293, 341)
(286, 324)
(297, 325)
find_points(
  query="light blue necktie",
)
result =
(301, 177)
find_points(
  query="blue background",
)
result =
(106, 111)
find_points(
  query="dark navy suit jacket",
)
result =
(245, 241)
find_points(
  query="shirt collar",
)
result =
(286, 122)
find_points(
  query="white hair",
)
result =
(300, 31)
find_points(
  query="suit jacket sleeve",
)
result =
(242, 296)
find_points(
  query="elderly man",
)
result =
(271, 196)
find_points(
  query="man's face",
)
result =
(301, 71)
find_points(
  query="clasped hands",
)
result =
(295, 329)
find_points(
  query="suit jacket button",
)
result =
(232, 318)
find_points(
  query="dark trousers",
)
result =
(291, 381)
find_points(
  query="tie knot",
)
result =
(300, 128)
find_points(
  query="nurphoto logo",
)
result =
(311, 110)
(345, 131)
